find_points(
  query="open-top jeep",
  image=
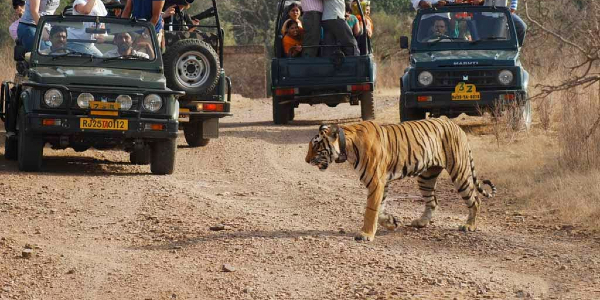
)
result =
(321, 80)
(463, 59)
(194, 64)
(85, 86)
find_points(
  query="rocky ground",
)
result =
(246, 218)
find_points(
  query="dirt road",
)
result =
(101, 228)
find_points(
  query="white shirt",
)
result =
(97, 10)
(115, 53)
(334, 9)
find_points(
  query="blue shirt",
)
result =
(142, 9)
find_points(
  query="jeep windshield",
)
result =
(95, 40)
(463, 28)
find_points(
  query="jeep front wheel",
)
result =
(30, 147)
(408, 114)
(11, 147)
(162, 156)
(140, 156)
(193, 134)
(191, 65)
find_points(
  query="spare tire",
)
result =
(191, 66)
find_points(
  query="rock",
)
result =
(247, 290)
(27, 252)
(217, 227)
(562, 267)
(72, 271)
(228, 268)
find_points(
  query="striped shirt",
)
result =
(312, 5)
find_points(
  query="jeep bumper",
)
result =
(315, 94)
(70, 125)
(442, 100)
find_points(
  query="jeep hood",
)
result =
(451, 58)
(98, 77)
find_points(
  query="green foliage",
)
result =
(391, 6)
(387, 31)
(253, 20)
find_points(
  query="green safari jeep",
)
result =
(463, 59)
(91, 82)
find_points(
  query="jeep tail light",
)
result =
(359, 87)
(286, 92)
(424, 98)
(51, 122)
(212, 107)
(507, 97)
(150, 126)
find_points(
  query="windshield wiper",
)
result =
(489, 38)
(72, 53)
(437, 40)
(129, 56)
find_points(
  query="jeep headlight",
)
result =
(152, 103)
(505, 77)
(83, 100)
(53, 98)
(425, 78)
(125, 101)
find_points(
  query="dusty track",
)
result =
(104, 229)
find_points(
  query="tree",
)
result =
(392, 6)
(253, 20)
(580, 36)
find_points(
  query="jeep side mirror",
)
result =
(403, 42)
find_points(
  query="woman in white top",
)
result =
(34, 9)
(89, 8)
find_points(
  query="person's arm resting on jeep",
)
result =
(424, 4)
(34, 7)
(157, 6)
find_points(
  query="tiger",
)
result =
(381, 153)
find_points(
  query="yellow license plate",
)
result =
(103, 124)
(105, 105)
(465, 91)
(184, 115)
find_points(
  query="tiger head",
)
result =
(324, 147)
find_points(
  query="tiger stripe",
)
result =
(382, 153)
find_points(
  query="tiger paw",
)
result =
(390, 223)
(419, 223)
(467, 227)
(363, 237)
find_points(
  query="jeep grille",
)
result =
(481, 78)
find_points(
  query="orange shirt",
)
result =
(360, 22)
(289, 42)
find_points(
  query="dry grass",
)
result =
(552, 171)
(390, 71)
(6, 60)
